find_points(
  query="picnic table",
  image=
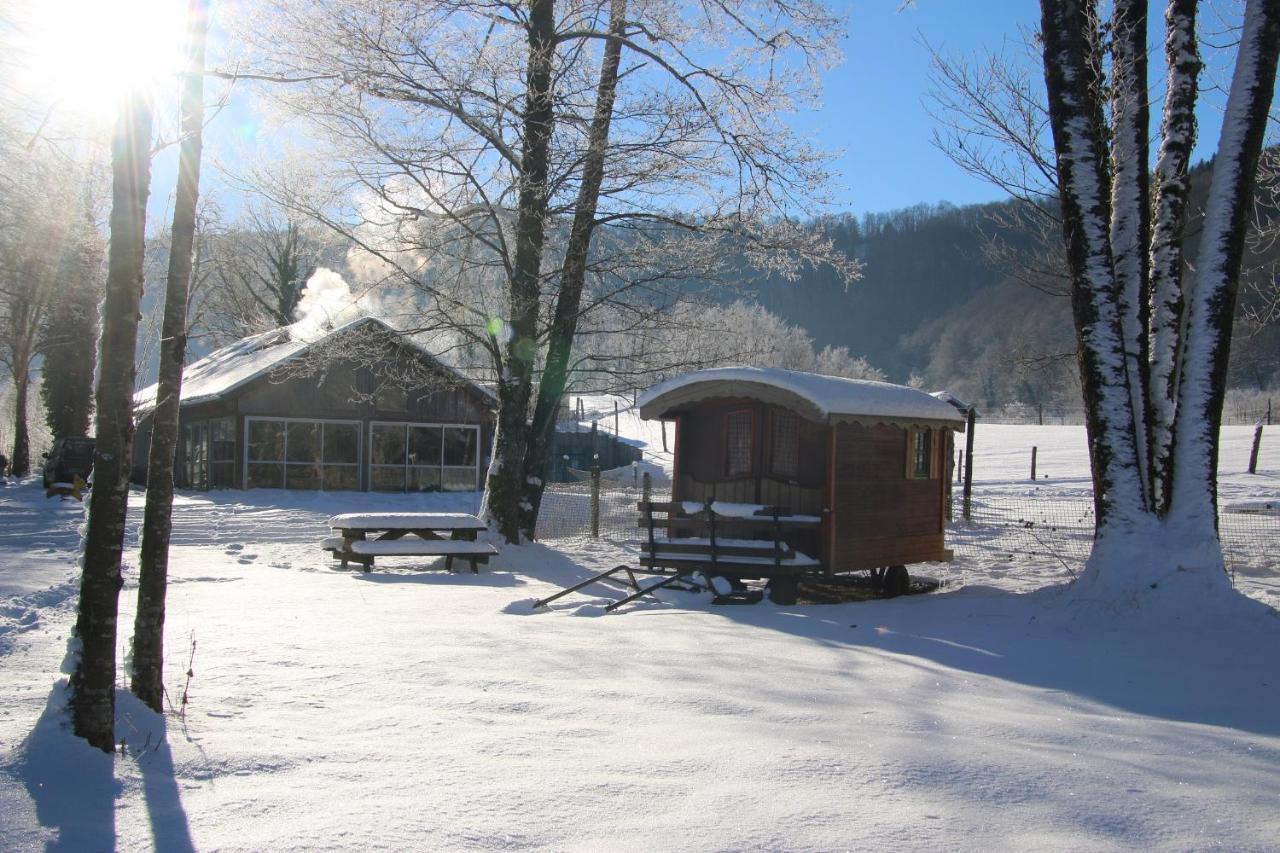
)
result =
(364, 536)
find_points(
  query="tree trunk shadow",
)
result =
(74, 787)
(71, 784)
(170, 830)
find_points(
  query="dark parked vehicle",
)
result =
(70, 458)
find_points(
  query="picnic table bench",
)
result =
(364, 536)
(735, 557)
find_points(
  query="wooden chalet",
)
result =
(870, 459)
(360, 407)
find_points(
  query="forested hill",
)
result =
(919, 263)
(936, 302)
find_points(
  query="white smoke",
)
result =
(327, 302)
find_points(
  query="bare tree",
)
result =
(1152, 369)
(94, 656)
(39, 243)
(157, 520)
(501, 156)
(1100, 169)
(259, 265)
(71, 328)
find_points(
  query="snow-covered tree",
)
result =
(44, 190)
(70, 332)
(1152, 355)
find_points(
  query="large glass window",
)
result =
(302, 454)
(194, 473)
(423, 457)
(222, 453)
(739, 432)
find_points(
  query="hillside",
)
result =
(935, 301)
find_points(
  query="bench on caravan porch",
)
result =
(728, 551)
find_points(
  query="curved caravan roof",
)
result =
(817, 397)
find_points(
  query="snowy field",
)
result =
(410, 709)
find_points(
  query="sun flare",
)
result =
(85, 54)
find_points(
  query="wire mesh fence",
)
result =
(1001, 526)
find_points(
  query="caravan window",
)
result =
(785, 444)
(739, 435)
(920, 453)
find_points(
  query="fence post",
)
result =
(646, 485)
(1268, 411)
(595, 501)
(595, 454)
(1033, 461)
(664, 436)
(968, 463)
(1257, 445)
(960, 468)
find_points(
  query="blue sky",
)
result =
(874, 112)
(874, 106)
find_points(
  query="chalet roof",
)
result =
(223, 371)
(813, 395)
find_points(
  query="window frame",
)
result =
(776, 415)
(406, 468)
(284, 449)
(912, 461)
(750, 471)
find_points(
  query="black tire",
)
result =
(784, 590)
(897, 581)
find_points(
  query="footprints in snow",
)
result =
(237, 548)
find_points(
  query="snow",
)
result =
(406, 520)
(408, 709)
(725, 509)
(829, 395)
(224, 370)
(228, 368)
(420, 547)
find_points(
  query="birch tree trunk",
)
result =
(157, 520)
(1171, 191)
(1211, 306)
(504, 486)
(94, 657)
(564, 323)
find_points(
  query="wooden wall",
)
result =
(874, 514)
(702, 451)
(343, 392)
(880, 517)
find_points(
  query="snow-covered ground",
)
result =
(409, 709)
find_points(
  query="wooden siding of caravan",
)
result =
(852, 475)
(880, 516)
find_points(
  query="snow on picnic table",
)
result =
(410, 709)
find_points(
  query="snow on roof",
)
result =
(827, 396)
(224, 370)
(947, 397)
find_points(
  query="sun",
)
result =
(84, 55)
